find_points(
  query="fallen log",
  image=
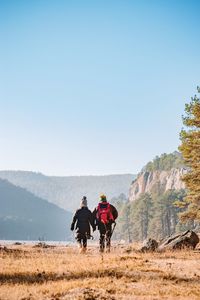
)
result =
(188, 239)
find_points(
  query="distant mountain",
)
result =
(162, 174)
(67, 192)
(24, 216)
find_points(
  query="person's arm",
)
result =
(114, 212)
(74, 221)
(92, 220)
(94, 217)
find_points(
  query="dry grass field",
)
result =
(62, 273)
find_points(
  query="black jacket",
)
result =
(82, 220)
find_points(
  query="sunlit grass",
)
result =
(63, 273)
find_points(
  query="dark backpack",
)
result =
(104, 213)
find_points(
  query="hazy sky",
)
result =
(94, 87)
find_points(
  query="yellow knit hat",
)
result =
(103, 198)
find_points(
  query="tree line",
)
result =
(151, 215)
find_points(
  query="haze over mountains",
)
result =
(24, 216)
(31, 204)
(34, 206)
(66, 192)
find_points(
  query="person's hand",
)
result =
(72, 228)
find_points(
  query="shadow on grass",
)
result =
(39, 278)
(31, 278)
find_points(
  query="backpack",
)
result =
(104, 213)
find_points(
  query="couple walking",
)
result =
(103, 216)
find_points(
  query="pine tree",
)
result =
(165, 214)
(190, 149)
(124, 223)
(127, 222)
(141, 215)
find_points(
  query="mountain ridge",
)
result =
(25, 216)
(67, 191)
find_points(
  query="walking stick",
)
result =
(113, 229)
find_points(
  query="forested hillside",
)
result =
(23, 216)
(153, 213)
(67, 192)
(165, 162)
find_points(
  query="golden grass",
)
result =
(62, 273)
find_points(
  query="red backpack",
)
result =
(104, 213)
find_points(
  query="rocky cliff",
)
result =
(147, 180)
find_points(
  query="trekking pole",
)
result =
(113, 229)
(105, 234)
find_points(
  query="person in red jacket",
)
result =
(105, 215)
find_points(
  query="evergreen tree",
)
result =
(165, 214)
(190, 149)
(124, 226)
(165, 162)
(127, 222)
(141, 215)
(152, 215)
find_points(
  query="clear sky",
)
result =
(94, 87)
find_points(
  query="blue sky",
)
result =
(94, 87)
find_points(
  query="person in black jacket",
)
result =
(82, 220)
(105, 215)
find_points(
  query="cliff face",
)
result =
(146, 181)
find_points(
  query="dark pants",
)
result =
(82, 239)
(105, 236)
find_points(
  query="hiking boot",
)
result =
(101, 250)
(83, 250)
(108, 250)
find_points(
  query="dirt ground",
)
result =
(61, 272)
